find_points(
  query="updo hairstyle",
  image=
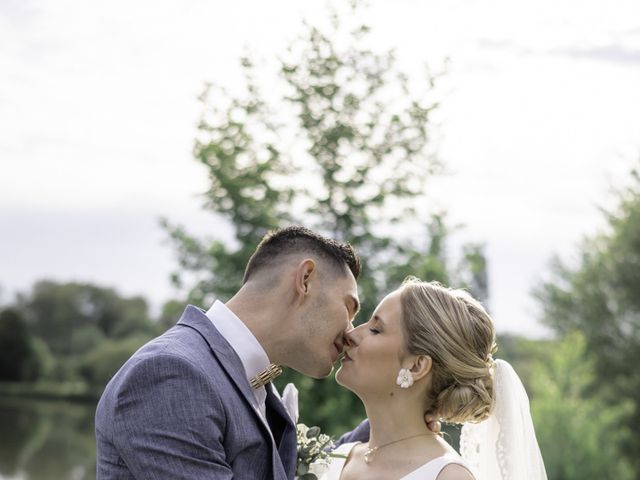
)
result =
(458, 334)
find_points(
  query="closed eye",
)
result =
(375, 331)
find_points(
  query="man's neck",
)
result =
(257, 314)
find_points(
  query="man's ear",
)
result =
(421, 367)
(305, 273)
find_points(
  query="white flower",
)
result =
(319, 468)
(405, 379)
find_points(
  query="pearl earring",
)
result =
(405, 379)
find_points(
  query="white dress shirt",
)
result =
(253, 357)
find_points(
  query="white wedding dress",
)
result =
(428, 471)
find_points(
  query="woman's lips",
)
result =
(346, 358)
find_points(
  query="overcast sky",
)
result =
(98, 105)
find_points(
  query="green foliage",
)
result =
(579, 433)
(171, 312)
(323, 403)
(360, 134)
(18, 357)
(524, 354)
(85, 339)
(73, 318)
(46, 361)
(599, 297)
(81, 335)
(351, 160)
(98, 366)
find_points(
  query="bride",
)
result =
(428, 349)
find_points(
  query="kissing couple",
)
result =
(198, 403)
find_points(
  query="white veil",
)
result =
(504, 447)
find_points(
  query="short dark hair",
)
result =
(298, 239)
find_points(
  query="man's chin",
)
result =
(327, 374)
(319, 373)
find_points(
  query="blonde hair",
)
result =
(458, 334)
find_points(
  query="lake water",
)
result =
(54, 440)
(46, 440)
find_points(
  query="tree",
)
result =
(351, 160)
(579, 433)
(361, 157)
(599, 297)
(73, 318)
(18, 358)
(97, 366)
(171, 311)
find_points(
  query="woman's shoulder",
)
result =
(455, 471)
(445, 467)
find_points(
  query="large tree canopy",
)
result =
(599, 295)
(72, 318)
(342, 144)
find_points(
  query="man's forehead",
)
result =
(345, 284)
(348, 284)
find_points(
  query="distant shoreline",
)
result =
(76, 392)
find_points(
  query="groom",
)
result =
(197, 402)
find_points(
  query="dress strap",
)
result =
(432, 469)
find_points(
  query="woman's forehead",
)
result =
(390, 308)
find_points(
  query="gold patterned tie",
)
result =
(265, 376)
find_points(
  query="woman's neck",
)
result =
(394, 418)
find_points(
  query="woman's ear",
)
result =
(421, 367)
(305, 271)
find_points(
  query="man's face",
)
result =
(326, 316)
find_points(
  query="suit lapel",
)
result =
(195, 318)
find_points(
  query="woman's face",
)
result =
(374, 351)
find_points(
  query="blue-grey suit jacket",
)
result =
(180, 408)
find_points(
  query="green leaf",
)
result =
(313, 432)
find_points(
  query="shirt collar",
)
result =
(253, 357)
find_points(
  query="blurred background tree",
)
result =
(18, 356)
(349, 154)
(599, 295)
(580, 434)
(74, 332)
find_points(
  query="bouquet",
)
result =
(313, 452)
